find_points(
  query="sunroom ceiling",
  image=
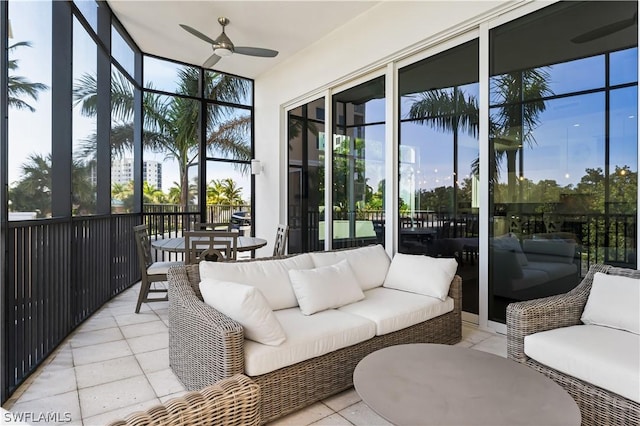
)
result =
(285, 26)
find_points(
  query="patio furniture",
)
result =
(151, 272)
(176, 245)
(321, 350)
(280, 244)
(604, 353)
(210, 245)
(232, 401)
(429, 384)
(212, 226)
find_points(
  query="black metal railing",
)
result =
(59, 273)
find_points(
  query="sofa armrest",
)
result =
(534, 316)
(455, 292)
(204, 345)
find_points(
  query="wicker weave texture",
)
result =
(597, 406)
(206, 346)
(232, 401)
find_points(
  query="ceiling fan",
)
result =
(606, 30)
(222, 46)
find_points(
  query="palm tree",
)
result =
(232, 192)
(33, 191)
(170, 122)
(151, 194)
(509, 129)
(20, 87)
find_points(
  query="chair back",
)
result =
(143, 245)
(280, 245)
(212, 226)
(213, 246)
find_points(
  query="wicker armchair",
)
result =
(232, 401)
(597, 406)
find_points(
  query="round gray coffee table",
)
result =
(429, 384)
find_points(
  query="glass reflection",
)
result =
(358, 166)
(563, 189)
(306, 177)
(438, 186)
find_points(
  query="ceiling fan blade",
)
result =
(213, 59)
(198, 34)
(605, 30)
(255, 51)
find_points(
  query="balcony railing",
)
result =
(60, 271)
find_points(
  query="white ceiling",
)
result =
(285, 26)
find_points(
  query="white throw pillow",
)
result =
(246, 305)
(325, 287)
(426, 275)
(614, 301)
(369, 263)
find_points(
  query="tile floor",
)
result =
(117, 362)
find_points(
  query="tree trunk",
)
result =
(511, 175)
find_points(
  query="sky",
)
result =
(30, 132)
(569, 139)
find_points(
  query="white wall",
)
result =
(389, 31)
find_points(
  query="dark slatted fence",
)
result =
(59, 273)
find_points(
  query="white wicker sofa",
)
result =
(321, 349)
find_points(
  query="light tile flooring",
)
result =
(117, 362)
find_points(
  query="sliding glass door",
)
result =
(438, 161)
(563, 149)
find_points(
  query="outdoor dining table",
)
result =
(176, 245)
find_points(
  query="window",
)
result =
(563, 141)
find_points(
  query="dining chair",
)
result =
(212, 226)
(151, 271)
(213, 246)
(280, 245)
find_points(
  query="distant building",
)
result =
(122, 172)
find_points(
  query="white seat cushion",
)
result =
(370, 263)
(392, 310)
(161, 267)
(271, 277)
(603, 356)
(308, 336)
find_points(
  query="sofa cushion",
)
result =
(530, 278)
(554, 270)
(605, 357)
(541, 250)
(392, 310)
(420, 274)
(614, 301)
(246, 305)
(325, 287)
(510, 243)
(370, 263)
(308, 336)
(270, 276)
